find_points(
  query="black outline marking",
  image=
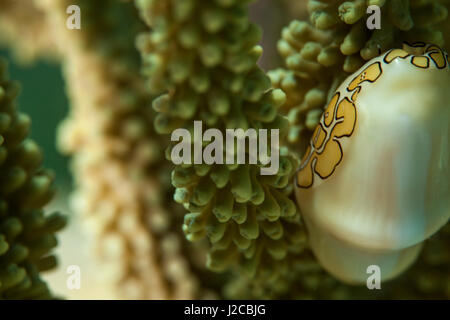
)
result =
(438, 52)
(354, 123)
(417, 66)
(433, 47)
(387, 53)
(312, 173)
(357, 92)
(418, 44)
(324, 140)
(338, 93)
(366, 80)
(337, 164)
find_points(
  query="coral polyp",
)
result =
(27, 234)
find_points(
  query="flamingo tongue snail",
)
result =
(374, 182)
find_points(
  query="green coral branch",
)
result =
(201, 59)
(27, 235)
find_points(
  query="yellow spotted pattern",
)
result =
(338, 121)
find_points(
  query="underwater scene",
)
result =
(224, 150)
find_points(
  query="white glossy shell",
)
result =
(374, 183)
